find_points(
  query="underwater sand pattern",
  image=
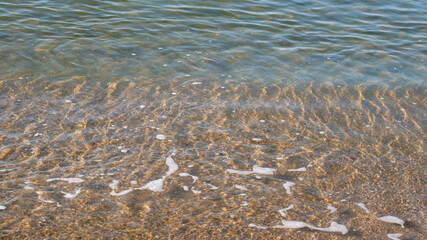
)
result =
(201, 159)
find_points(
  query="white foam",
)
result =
(142, 106)
(322, 132)
(261, 170)
(256, 139)
(71, 195)
(283, 210)
(195, 178)
(133, 182)
(173, 167)
(155, 185)
(394, 236)
(197, 83)
(257, 226)
(262, 120)
(212, 186)
(28, 187)
(244, 204)
(239, 172)
(392, 219)
(47, 201)
(292, 224)
(185, 188)
(332, 209)
(362, 205)
(288, 186)
(241, 187)
(122, 192)
(2, 207)
(114, 185)
(69, 180)
(41, 199)
(303, 169)
(195, 191)
(160, 136)
(255, 169)
(334, 227)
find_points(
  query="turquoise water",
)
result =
(213, 119)
(384, 41)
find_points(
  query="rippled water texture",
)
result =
(213, 119)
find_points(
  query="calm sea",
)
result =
(218, 119)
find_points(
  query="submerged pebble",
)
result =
(160, 136)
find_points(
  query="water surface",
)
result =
(213, 119)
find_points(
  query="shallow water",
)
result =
(208, 120)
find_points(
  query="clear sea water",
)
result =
(213, 119)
